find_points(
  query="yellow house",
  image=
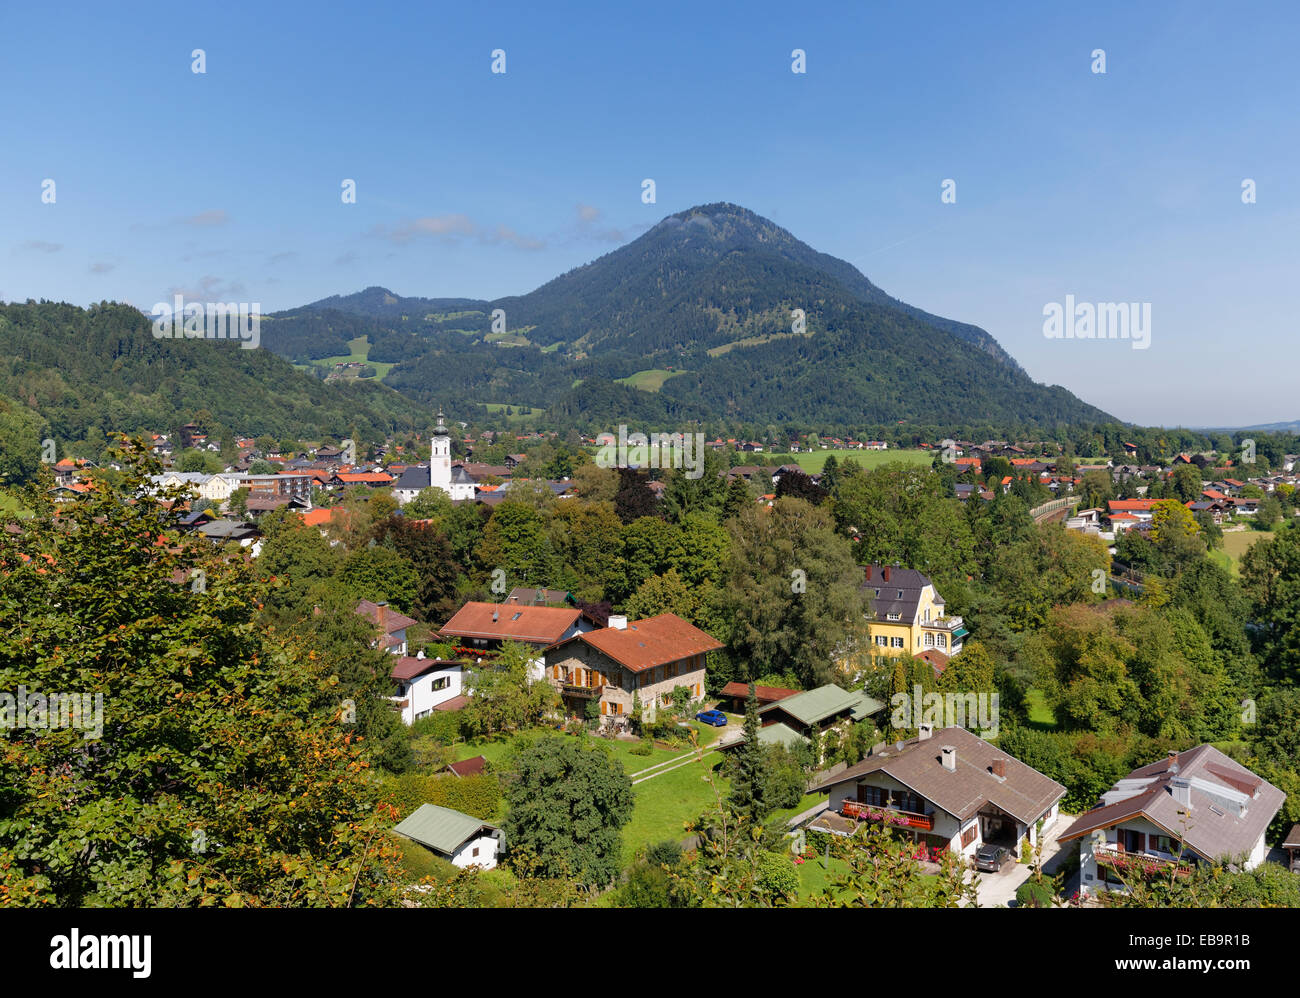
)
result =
(908, 614)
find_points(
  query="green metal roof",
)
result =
(440, 828)
(866, 706)
(779, 734)
(961, 632)
(814, 706)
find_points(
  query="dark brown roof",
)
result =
(765, 694)
(409, 666)
(1293, 837)
(542, 625)
(1024, 793)
(468, 767)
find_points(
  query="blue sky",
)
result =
(1117, 187)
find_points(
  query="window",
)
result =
(881, 640)
(474, 852)
(616, 708)
(1162, 843)
(968, 836)
(929, 640)
(942, 641)
(442, 682)
(893, 616)
(896, 643)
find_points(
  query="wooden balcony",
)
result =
(1118, 858)
(893, 816)
(582, 692)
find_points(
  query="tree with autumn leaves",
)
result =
(227, 773)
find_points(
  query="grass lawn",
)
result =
(1040, 714)
(814, 461)
(665, 802)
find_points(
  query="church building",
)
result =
(439, 473)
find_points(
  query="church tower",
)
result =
(440, 457)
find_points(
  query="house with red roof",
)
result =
(423, 685)
(642, 660)
(391, 625)
(481, 628)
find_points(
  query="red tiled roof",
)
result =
(644, 644)
(410, 666)
(468, 767)
(455, 703)
(365, 477)
(511, 622)
(384, 616)
(937, 659)
(1130, 505)
(765, 694)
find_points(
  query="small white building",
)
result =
(423, 684)
(463, 840)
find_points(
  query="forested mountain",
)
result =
(702, 305)
(78, 371)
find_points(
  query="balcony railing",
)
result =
(893, 816)
(943, 623)
(1118, 858)
(584, 692)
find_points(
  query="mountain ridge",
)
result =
(705, 302)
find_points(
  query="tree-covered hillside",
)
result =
(101, 369)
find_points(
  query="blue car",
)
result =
(715, 717)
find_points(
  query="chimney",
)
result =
(1181, 788)
(885, 573)
(924, 732)
(949, 758)
(869, 573)
(617, 622)
(495, 615)
(1173, 763)
(999, 768)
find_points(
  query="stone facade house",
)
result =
(646, 659)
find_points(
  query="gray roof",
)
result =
(1024, 792)
(440, 828)
(417, 477)
(1230, 805)
(901, 594)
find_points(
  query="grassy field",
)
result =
(360, 351)
(648, 381)
(1235, 543)
(814, 461)
(497, 408)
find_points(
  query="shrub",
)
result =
(1032, 894)
(777, 875)
(478, 795)
(443, 726)
(643, 747)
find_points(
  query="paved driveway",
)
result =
(997, 889)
